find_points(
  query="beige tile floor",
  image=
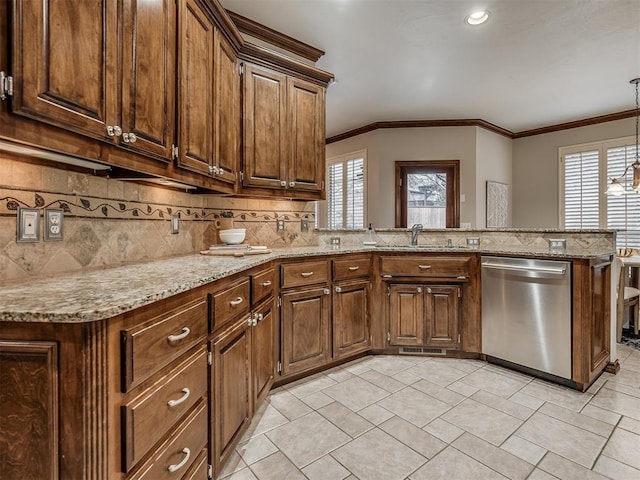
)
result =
(401, 417)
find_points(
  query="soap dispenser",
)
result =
(370, 236)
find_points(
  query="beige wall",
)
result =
(493, 162)
(535, 170)
(385, 146)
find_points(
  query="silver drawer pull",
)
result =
(186, 392)
(306, 274)
(353, 269)
(424, 267)
(267, 283)
(178, 466)
(180, 336)
(237, 301)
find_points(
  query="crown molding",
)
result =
(476, 122)
(277, 39)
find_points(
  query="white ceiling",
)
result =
(534, 63)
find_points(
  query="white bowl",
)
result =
(232, 236)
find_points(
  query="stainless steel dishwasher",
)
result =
(526, 313)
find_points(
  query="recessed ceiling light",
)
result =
(477, 18)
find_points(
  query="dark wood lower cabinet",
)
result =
(306, 337)
(351, 318)
(29, 410)
(263, 351)
(231, 409)
(423, 315)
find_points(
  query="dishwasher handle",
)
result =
(515, 268)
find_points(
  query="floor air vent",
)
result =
(422, 351)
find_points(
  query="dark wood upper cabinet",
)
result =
(306, 135)
(196, 88)
(264, 127)
(284, 129)
(148, 76)
(65, 57)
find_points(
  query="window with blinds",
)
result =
(586, 171)
(345, 206)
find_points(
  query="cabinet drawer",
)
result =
(149, 347)
(425, 266)
(200, 468)
(151, 414)
(304, 273)
(351, 268)
(262, 284)
(180, 451)
(231, 303)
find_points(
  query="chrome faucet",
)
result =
(415, 231)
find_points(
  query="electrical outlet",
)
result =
(335, 242)
(473, 242)
(28, 225)
(557, 244)
(53, 221)
(175, 224)
(304, 225)
(280, 225)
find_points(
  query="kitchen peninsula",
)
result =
(100, 359)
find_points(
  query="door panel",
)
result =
(264, 127)
(148, 75)
(64, 60)
(306, 135)
(196, 88)
(406, 315)
(351, 318)
(442, 314)
(263, 352)
(227, 112)
(305, 324)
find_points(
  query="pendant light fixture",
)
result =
(616, 187)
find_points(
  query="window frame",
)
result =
(322, 207)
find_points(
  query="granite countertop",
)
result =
(100, 294)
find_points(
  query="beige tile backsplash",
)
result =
(110, 222)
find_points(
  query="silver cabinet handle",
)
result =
(186, 392)
(237, 301)
(221, 171)
(306, 274)
(424, 267)
(212, 169)
(327, 291)
(283, 183)
(338, 289)
(515, 268)
(267, 283)
(251, 322)
(428, 290)
(353, 269)
(292, 184)
(114, 131)
(178, 466)
(180, 336)
(129, 137)
(419, 289)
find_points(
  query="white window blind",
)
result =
(346, 196)
(586, 171)
(582, 190)
(623, 212)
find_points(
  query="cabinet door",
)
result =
(196, 47)
(264, 127)
(263, 353)
(305, 329)
(351, 318)
(148, 76)
(406, 315)
(231, 384)
(442, 315)
(29, 413)
(306, 165)
(227, 112)
(65, 57)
